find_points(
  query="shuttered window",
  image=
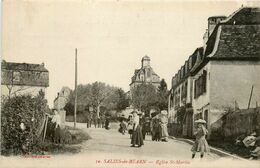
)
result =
(200, 85)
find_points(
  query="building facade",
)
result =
(23, 78)
(223, 72)
(145, 75)
(60, 102)
(62, 98)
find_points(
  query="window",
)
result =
(142, 78)
(16, 76)
(200, 85)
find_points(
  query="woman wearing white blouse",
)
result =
(57, 121)
(137, 137)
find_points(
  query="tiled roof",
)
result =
(239, 39)
(239, 42)
(244, 16)
(23, 66)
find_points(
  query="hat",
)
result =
(134, 112)
(253, 134)
(154, 114)
(139, 113)
(200, 121)
(164, 112)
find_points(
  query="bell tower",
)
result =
(145, 61)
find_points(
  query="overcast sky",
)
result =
(111, 37)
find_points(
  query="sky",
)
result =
(111, 36)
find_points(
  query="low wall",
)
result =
(242, 122)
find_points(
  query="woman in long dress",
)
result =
(137, 137)
(56, 119)
(163, 124)
(130, 125)
(201, 144)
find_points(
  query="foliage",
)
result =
(163, 96)
(100, 96)
(122, 100)
(72, 136)
(15, 111)
(144, 96)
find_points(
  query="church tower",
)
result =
(145, 62)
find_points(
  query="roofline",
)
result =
(143, 82)
(26, 85)
(25, 70)
(221, 16)
(16, 63)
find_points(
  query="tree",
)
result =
(144, 96)
(22, 117)
(100, 96)
(99, 92)
(162, 95)
(122, 101)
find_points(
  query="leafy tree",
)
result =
(22, 117)
(98, 95)
(144, 96)
(122, 101)
(163, 96)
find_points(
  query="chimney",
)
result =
(213, 21)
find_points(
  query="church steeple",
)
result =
(145, 61)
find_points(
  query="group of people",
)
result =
(137, 128)
(159, 130)
(99, 122)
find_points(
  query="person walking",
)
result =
(56, 119)
(155, 128)
(201, 144)
(142, 125)
(122, 126)
(163, 124)
(137, 137)
(130, 125)
(107, 123)
(102, 120)
(88, 120)
(95, 121)
(99, 122)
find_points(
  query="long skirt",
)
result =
(200, 145)
(57, 135)
(137, 137)
(164, 131)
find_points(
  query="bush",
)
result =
(19, 110)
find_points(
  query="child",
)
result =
(201, 144)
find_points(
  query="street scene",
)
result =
(130, 84)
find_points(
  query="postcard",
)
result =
(119, 83)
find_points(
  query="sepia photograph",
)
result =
(130, 84)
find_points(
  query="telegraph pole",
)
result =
(250, 96)
(76, 75)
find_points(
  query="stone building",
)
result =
(60, 102)
(23, 78)
(62, 98)
(145, 75)
(220, 73)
